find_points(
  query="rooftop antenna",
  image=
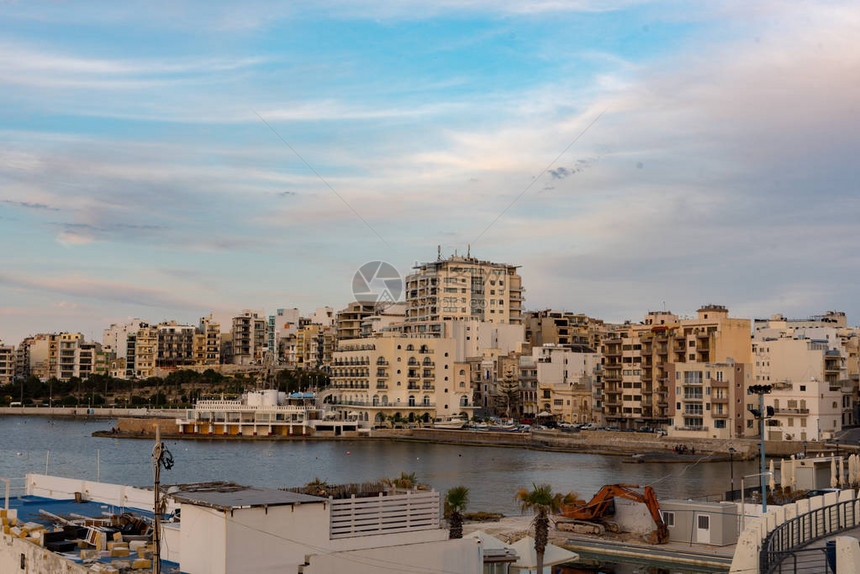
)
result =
(438, 253)
(468, 251)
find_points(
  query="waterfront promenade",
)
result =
(653, 447)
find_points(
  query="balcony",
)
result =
(785, 411)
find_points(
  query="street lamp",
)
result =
(804, 448)
(762, 414)
(732, 452)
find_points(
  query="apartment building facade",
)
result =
(7, 364)
(384, 378)
(462, 288)
(249, 338)
(565, 380)
(637, 359)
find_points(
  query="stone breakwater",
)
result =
(653, 447)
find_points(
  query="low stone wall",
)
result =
(98, 412)
(146, 426)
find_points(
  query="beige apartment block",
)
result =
(141, 353)
(408, 378)
(7, 364)
(637, 357)
(250, 340)
(810, 373)
(812, 410)
(708, 400)
(44, 353)
(315, 345)
(348, 321)
(565, 379)
(207, 342)
(461, 288)
(385, 319)
(550, 327)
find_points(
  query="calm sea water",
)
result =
(493, 475)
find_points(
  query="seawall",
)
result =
(594, 442)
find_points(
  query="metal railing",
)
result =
(787, 539)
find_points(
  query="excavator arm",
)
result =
(600, 507)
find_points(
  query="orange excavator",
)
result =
(601, 507)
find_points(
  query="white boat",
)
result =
(450, 423)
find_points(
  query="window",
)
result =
(668, 518)
(719, 424)
(704, 522)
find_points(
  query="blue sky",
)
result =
(137, 177)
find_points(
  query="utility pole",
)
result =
(761, 414)
(160, 457)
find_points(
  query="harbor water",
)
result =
(493, 475)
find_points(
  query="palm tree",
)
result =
(542, 501)
(456, 501)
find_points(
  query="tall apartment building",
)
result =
(322, 316)
(462, 288)
(7, 364)
(249, 341)
(550, 327)
(812, 393)
(708, 400)
(141, 352)
(407, 378)
(349, 320)
(44, 355)
(637, 359)
(22, 358)
(115, 337)
(565, 380)
(315, 345)
(283, 325)
(207, 342)
(175, 345)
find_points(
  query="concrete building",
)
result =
(283, 326)
(115, 337)
(565, 377)
(385, 319)
(550, 327)
(348, 320)
(637, 358)
(709, 400)
(175, 345)
(207, 342)
(406, 378)
(462, 288)
(315, 345)
(322, 316)
(812, 393)
(7, 364)
(22, 358)
(43, 354)
(141, 353)
(249, 338)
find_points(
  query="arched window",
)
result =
(385, 400)
(410, 347)
(411, 400)
(376, 400)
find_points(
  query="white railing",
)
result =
(413, 511)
